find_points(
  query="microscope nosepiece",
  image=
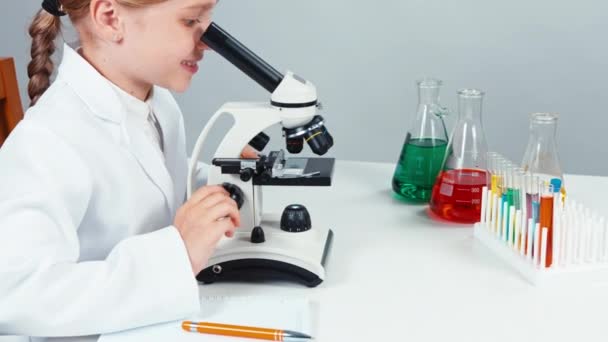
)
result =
(314, 133)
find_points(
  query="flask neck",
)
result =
(541, 154)
(544, 131)
(467, 147)
(428, 121)
(428, 95)
(469, 108)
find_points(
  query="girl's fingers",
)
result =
(202, 193)
(223, 210)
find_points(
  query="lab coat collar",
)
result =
(105, 102)
(135, 106)
(92, 87)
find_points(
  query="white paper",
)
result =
(267, 312)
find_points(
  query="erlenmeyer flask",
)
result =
(424, 147)
(457, 191)
(540, 158)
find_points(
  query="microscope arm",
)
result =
(250, 118)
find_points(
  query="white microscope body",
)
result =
(280, 254)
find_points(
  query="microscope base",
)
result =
(297, 257)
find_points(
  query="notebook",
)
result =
(268, 312)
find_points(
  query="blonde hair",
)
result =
(44, 29)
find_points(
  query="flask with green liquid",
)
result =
(424, 147)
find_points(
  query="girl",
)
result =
(94, 237)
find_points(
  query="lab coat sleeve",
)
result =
(45, 190)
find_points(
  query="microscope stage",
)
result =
(320, 171)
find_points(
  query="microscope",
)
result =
(290, 246)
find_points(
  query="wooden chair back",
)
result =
(11, 110)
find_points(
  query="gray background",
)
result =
(364, 56)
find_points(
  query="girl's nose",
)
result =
(205, 24)
(201, 46)
(199, 43)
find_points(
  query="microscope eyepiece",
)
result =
(295, 92)
(314, 133)
(238, 54)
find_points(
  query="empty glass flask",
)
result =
(540, 158)
(457, 191)
(424, 146)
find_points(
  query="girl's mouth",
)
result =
(190, 66)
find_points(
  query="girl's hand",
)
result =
(249, 153)
(208, 214)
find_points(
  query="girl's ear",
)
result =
(106, 20)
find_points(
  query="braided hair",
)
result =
(45, 28)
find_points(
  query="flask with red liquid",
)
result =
(457, 191)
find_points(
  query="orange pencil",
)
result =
(245, 331)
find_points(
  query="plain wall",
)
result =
(364, 56)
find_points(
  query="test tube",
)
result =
(529, 239)
(518, 200)
(519, 189)
(535, 198)
(536, 243)
(514, 185)
(546, 219)
(524, 204)
(507, 197)
(506, 169)
(500, 179)
(492, 161)
(508, 185)
(529, 191)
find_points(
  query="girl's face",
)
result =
(161, 43)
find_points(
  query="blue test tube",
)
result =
(536, 183)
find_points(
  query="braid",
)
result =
(43, 30)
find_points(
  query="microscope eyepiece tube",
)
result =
(238, 54)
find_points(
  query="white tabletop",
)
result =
(395, 274)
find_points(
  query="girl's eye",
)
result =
(192, 22)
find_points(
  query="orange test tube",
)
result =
(546, 219)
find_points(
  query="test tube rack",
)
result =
(579, 246)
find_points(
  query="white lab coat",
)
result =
(86, 207)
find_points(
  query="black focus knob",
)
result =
(235, 193)
(246, 174)
(295, 219)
